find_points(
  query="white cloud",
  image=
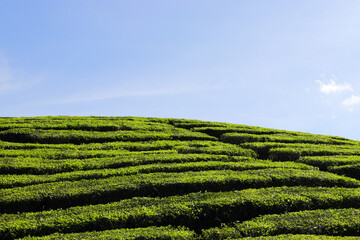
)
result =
(350, 102)
(333, 87)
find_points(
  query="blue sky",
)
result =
(283, 64)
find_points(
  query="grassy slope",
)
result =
(153, 178)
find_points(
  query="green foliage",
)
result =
(78, 137)
(214, 148)
(299, 237)
(221, 131)
(196, 210)
(341, 222)
(326, 162)
(94, 191)
(156, 178)
(352, 170)
(22, 165)
(305, 149)
(192, 163)
(149, 233)
(284, 154)
(284, 137)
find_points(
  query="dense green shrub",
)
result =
(221, 130)
(326, 162)
(78, 137)
(93, 191)
(196, 210)
(23, 165)
(149, 233)
(352, 170)
(341, 222)
(284, 137)
(299, 237)
(284, 154)
(193, 163)
(305, 149)
(214, 148)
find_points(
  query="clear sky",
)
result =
(283, 64)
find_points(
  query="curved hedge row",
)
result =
(77, 137)
(149, 233)
(236, 163)
(299, 237)
(196, 211)
(71, 193)
(341, 222)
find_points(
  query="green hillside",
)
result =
(156, 178)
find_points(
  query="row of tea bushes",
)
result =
(34, 165)
(149, 233)
(29, 135)
(341, 222)
(21, 165)
(167, 233)
(279, 154)
(220, 131)
(58, 154)
(71, 193)
(239, 164)
(217, 128)
(131, 146)
(326, 162)
(239, 138)
(85, 124)
(299, 237)
(352, 171)
(198, 211)
(278, 151)
(211, 147)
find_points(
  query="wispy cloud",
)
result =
(12, 79)
(333, 87)
(6, 77)
(151, 87)
(118, 92)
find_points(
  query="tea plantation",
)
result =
(156, 178)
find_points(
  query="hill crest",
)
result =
(131, 177)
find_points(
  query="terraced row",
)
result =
(179, 163)
(90, 150)
(94, 191)
(341, 222)
(195, 211)
(79, 137)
